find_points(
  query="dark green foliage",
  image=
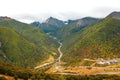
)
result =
(76, 77)
(2, 78)
(16, 72)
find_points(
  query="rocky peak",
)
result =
(54, 21)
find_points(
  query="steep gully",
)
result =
(58, 60)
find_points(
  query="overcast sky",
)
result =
(39, 10)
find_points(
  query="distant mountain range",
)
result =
(53, 25)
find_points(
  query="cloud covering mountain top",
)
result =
(39, 10)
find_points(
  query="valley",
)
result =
(87, 46)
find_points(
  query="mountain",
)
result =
(50, 26)
(86, 21)
(5, 18)
(54, 21)
(27, 45)
(70, 21)
(15, 49)
(100, 40)
(36, 24)
(75, 26)
(114, 15)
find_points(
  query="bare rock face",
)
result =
(86, 21)
(80, 23)
(114, 15)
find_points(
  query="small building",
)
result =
(101, 62)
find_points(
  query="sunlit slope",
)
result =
(101, 40)
(31, 33)
(40, 46)
(17, 50)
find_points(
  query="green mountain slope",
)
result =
(101, 40)
(17, 50)
(29, 32)
(74, 27)
(42, 45)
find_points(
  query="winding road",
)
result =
(58, 60)
(59, 50)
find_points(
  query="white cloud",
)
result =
(30, 10)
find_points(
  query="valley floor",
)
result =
(56, 68)
(87, 70)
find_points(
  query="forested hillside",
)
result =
(25, 45)
(96, 41)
